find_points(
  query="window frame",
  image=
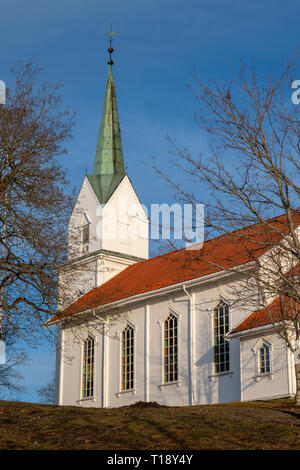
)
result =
(264, 366)
(92, 396)
(256, 351)
(83, 243)
(175, 380)
(84, 224)
(217, 369)
(132, 389)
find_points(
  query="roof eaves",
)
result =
(249, 331)
(161, 290)
(92, 255)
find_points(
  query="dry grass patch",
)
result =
(255, 425)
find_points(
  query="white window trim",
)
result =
(85, 219)
(212, 377)
(82, 244)
(119, 334)
(177, 382)
(211, 312)
(93, 397)
(259, 343)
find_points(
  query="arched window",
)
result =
(264, 359)
(221, 346)
(127, 365)
(88, 367)
(170, 349)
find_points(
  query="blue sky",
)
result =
(161, 44)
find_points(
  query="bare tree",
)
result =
(250, 177)
(47, 393)
(34, 207)
(12, 358)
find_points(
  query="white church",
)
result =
(159, 329)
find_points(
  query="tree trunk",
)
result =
(297, 371)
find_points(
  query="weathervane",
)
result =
(110, 39)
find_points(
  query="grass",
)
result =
(254, 425)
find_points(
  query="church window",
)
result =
(85, 234)
(170, 349)
(88, 368)
(221, 346)
(264, 359)
(85, 238)
(127, 382)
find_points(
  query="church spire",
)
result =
(109, 155)
(109, 162)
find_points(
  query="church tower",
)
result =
(108, 227)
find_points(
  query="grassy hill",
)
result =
(255, 425)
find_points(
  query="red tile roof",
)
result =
(277, 311)
(224, 252)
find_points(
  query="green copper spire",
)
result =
(109, 156)
(109, 162)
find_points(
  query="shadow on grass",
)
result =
(179, 443)
(288, 412)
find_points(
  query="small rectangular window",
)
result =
(85, 238)
(264, 359)
(86, 234)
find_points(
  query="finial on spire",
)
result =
(110, 49)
